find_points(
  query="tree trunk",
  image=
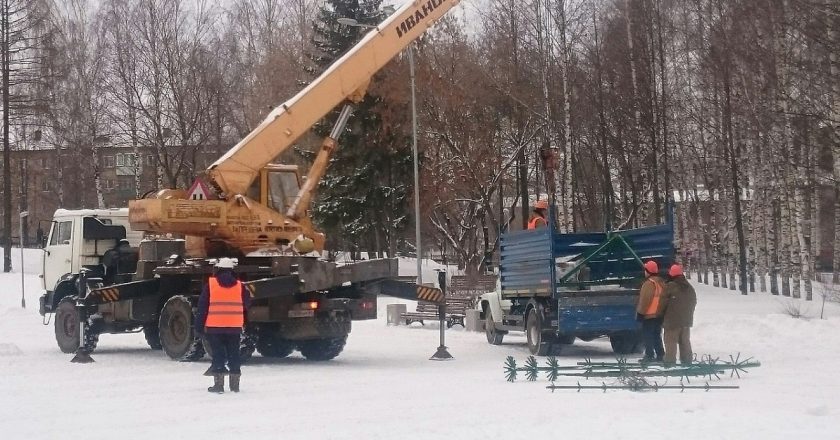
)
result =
(715, 242)
(736, 192)
(7, 175)
(568, 190)
(784, 234)
(773, 218)
(803, 212)
(23, 180)
(763, 258)
(97, 179)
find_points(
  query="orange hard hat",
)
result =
(676, 270)
(541, 204)
(651, 266)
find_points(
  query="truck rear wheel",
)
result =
(67, 327)
(540, 342)
(626, 342)
(271, 345)
(177, 335)
(494, 337)
(322, 349)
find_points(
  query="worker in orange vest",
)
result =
(650, 309)
(538, 215)
(220, 319)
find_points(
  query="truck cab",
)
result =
(99, 240)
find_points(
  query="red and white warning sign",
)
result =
(199, 191)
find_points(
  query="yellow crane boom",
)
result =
(346, 79)
(263, 205)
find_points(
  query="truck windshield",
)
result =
(282, 189)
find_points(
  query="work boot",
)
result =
(218, 384)
(234, 382)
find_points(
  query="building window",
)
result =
(45, 163)
(45, 185)
(125, 160)
(150, 160)
(109, 161)
(109, 184)
(126, 183)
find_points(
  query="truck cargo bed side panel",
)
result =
(526, 262)
(597, 314)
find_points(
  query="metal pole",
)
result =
(416, 166)
(442, 354)
(23, 215)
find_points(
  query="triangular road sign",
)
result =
(199, 191)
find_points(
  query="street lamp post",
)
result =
(355, 23)
(23, 215)
(442, 353)
(416, 165)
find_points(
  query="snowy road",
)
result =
(383, 386)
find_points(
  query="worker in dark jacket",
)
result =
(538, 215)
(220, 319)
(649, 310)
(679, 316)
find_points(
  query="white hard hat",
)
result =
(226, 263)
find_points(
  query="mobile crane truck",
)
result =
(102, 276)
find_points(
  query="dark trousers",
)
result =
(678, 337)
(225, 348)
(652, 336)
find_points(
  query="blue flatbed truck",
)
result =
(558, 287)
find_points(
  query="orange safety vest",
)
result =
(654, 303)
(536, 222)
(226, 308)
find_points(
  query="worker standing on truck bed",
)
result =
(221, 317)
(538, 215)
(679, 316)
(649, 311)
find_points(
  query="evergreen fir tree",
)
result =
(363, 199)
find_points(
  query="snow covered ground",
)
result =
(383, 386)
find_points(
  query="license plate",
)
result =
(301, 313)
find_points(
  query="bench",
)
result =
(425, 311)
(456, 311)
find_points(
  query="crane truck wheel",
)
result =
(177, 336)
(67, 327)
(271, 345)
(494, 337)
(322, 349)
